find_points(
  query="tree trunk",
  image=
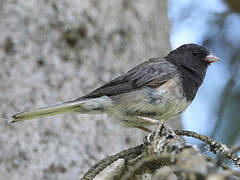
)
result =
(54, 51)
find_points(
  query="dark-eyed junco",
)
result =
(154, 91)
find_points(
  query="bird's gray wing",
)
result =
(152, 73)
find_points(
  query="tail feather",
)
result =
(47, 111)
(85, 106)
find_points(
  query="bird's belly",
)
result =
(131, 115)
(151, 103)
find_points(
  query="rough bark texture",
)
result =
(52, 51)
(165, 155)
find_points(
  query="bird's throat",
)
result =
(191, 81)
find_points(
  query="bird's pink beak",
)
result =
(211, 58)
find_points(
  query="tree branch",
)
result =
(127, 154)
(166, 149)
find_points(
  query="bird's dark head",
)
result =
(192, 57)
(192, 61)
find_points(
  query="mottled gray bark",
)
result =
(52, 51)
(164, 155)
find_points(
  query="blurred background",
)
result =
(51, 51)
(216, 25)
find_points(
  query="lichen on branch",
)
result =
(164, 153)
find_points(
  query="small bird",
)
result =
(155, 91)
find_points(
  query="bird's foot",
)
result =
(165, 130)
(162, 130)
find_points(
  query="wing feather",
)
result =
(152, 73)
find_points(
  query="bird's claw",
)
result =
(165, 130)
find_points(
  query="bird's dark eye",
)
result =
(194, 53)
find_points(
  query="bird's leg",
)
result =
(148, 120)
(163, 126)
(153, 121)
(143, 128)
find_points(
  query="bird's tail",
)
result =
(87, 106)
